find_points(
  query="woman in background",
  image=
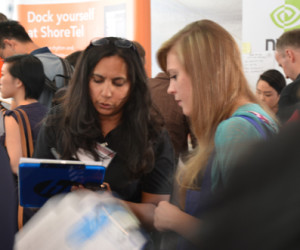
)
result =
(268, 88)
(22, 80)
(207, 81)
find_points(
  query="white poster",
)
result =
(259, 37)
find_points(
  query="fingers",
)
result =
(75, 188)
(105, 186)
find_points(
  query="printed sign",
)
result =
(67, 27)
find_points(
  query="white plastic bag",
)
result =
(82, 220)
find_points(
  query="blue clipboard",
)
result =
(40, 179)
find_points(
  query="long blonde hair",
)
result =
(211, 58)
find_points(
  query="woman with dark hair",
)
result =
(108, 102)
(268, 88)
(22, 80)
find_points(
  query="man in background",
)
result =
(3, 18)
(3, 104)
(288, 57)
(15, 40)
(175, 121)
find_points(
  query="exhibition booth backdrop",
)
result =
(69, 25)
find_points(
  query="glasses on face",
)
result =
(119, 42)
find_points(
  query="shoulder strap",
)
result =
(22, 133)
(67, 73)
(50, 84)
(255, 124)
(68, 70)
(29, 132)
(27, 150)
(19, 114)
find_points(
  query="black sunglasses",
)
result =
(119, 42)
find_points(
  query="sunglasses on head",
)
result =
(118, 42)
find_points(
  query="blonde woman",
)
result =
(207, 81)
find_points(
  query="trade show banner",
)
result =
(263, 22)
(67, 27)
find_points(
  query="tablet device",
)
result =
(40, 179)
